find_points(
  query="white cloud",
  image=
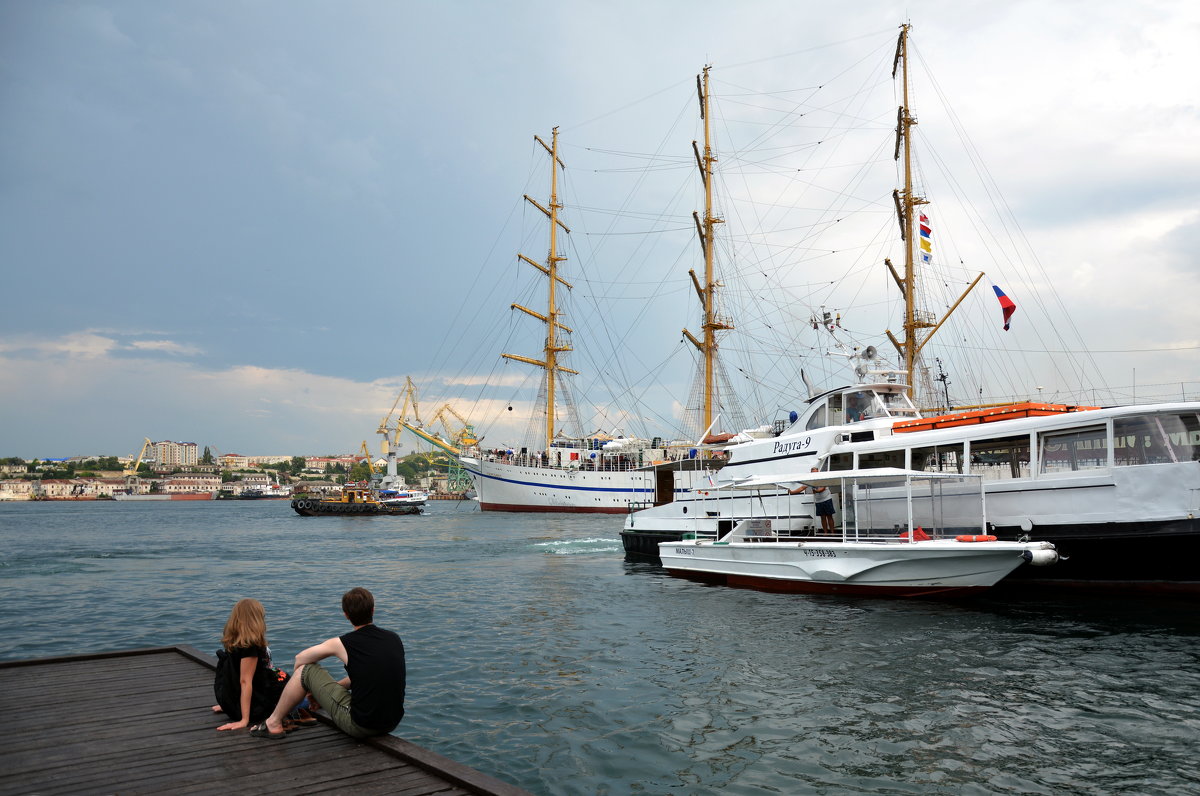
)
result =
(164, 346)
(84, 345)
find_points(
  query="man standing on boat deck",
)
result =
(824, 504)
(374, 660)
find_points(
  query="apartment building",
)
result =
(175, 454)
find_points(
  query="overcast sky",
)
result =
(243, 224)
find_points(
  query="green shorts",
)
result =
(335, 699)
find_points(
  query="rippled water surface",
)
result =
(538, 655)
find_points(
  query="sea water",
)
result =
(538, 655)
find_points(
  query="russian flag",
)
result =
(1007, 306)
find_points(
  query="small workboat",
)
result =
(354, 501)
(904, 533)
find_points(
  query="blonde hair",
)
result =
(246, 626)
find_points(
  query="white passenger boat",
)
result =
(403, 497)
(1091, 481)
(903, 534)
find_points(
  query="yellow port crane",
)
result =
(137, 460)
(454, 437)
(366, 452)
(409, 394)
(462, 436)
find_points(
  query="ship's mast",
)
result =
(553, 346)
(906, 204)
(707, 291)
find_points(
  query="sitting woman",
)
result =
(247, 686)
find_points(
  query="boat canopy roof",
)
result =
(837, 477)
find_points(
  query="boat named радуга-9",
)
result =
(1092, 481)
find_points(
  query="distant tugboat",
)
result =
(354, 501)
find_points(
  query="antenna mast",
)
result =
(707, 291)
(553, 347)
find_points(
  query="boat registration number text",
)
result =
(683, 551)
(820, 553)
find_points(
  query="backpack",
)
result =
(267, 685)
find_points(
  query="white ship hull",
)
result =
(895, 569)
(504, 486)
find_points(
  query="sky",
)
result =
(244, 224)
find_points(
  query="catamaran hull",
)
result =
(884, 569)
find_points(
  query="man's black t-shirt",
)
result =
(375, 665)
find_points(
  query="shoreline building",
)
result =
(175, 454)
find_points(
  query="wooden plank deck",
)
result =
(139, 722)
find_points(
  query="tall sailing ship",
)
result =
(1092, 481)
(595, 473)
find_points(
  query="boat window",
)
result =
(896, 403)
(1072, 450)
(943, 459)
(859, 406)
(834, 406)
(841, 461)
(1156, 439)
(877, 459)
(1001, 458)
(817, 420)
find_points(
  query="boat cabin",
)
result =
(855, 404)
(356, 494)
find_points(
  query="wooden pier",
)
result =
(139, 722)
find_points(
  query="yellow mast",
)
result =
(553, 347)
(906, 203)
(708, 291)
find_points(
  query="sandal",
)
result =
(262, 731)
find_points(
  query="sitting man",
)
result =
(374, 661)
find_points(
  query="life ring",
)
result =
(975, 538)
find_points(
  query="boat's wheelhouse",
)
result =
(856, 404)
